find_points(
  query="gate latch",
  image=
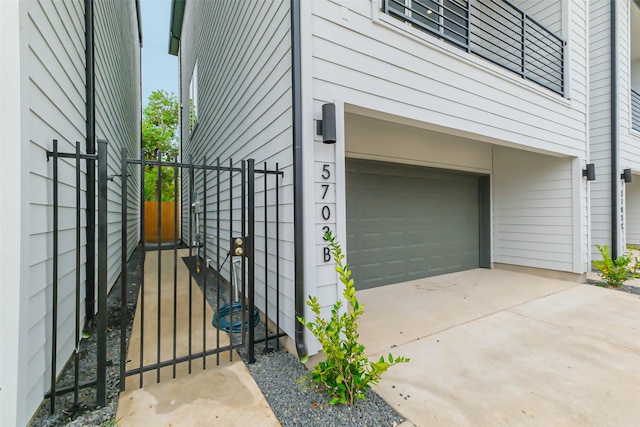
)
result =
(238, 246)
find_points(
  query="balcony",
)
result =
(495, 30)
(635, 110)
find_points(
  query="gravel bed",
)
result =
(87, 413)
(285, 381)
(297, 403)
(624, 288)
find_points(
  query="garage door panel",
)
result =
(406, 222)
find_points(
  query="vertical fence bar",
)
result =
(101, 374)
(266, 260)
(524, 44)
(144, 255)
(204, 275)
(231, 264)
(159, 250)
(124, 282)
(175, 258)
(243, 218)
(54, 314)
(190, 189)
(217, 310)
(76, 353)
(251, 254)
(277, 256)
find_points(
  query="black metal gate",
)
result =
(227, 212)
(215, 228)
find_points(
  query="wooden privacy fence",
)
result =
(151, 211)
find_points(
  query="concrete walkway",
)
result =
(497, 348)
(223, 395)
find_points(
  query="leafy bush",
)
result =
(346, 373)
(615, 272)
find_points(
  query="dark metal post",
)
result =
(76, 353)
(243, 231)
(54, 314)
(217, 309)
(143, 256)
(159, 250)
(204, 271)
(277, 256)
(175, 258)
(231, 265)
(191, 236)
(251, 255)
(101, 374)
(124, 282)
(266, 259)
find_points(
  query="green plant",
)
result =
(615, 272)
(346, 373)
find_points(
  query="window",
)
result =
(193, 99)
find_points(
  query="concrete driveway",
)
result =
(498, 348)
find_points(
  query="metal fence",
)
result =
(495, 30)
(221, 216)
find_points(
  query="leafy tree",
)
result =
(160, 141)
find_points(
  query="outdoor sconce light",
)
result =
(327, 126)
(626, 175)
(590, 172)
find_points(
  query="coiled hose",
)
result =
(227, 310)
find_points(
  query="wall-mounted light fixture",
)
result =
(589, 172)
(626, 175)
(327, 126)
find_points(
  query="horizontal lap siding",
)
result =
(532, 210)
(55, 94)
(244, 111)
(599, 123)
(629, 141)
(408, 74)
(117, 56)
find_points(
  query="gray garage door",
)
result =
(408, 222)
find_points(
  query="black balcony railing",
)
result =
(496, 30)
(635, 110)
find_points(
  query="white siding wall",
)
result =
(243, 55)
(375, 65)
(52, 95)
(368, 59)
(599, 123)
(13, 232)
(375, 139)
(118, 105)
(533, 216)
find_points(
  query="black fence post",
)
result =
(124, 283)
(101, 374)
(54, 314)
(251, 228)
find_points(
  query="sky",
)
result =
(159, 69)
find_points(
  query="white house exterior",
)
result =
(444, 159)
(617, 126)
(44, 97)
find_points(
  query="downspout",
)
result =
(615, 175)
(296, 91)
(90, 272)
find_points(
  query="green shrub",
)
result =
(346, 373)
(615, 272)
